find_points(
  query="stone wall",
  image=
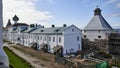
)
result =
(97, 45)
(114, 43)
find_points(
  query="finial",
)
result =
(97, 11)
(97, 6)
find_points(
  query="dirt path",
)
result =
(32, 60)
(37, 59)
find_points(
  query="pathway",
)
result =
(32, 60)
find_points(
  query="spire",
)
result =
(15, 18)
(97, 11)
(9, 23)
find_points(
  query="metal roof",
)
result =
(56, 48)
(98, 23)
(51, 30)
(29, 29)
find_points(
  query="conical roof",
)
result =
(9, 23)
(98, 22)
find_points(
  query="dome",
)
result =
(15, 18)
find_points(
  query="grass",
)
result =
(16, 61)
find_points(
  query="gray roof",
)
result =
(29, 29)
(51, 30)
(98, 23)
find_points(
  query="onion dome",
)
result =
(15, 18)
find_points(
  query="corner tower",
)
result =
(98, 27)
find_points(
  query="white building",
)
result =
(27, 38)
(66, 39)
(97, 28)
(14, 30)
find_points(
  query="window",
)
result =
(72, 30)
(41, 38)
(99, 31)
(85, 36)
(66, 51)
(49, 38)
(38, 37)
(53, 39)
(59, 39)
(45, 38)
(26, 42)
(78, 38)
(78, 46)
(84, 31)
(29, 36)
(99, 36)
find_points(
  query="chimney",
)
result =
(64, 25)
(53, 26)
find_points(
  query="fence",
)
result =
(81, 65)
(67, 63)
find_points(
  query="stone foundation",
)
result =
(97, 45)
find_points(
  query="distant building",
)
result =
(13, 30)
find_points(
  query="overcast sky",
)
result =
(59, 12)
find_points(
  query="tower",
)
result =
(3, 56)
(15, 19)
(98, 27)
(9, 23)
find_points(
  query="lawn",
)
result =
(16, 61)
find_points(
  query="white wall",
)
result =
(70, 40)
(92, 35)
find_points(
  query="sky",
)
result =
(59, 12)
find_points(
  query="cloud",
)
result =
(110, 1)
(118, 5)
(114, 14)
(26, 10)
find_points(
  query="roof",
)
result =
(29, 29)
(56, 48)
(51, 30)
(43, 45)
(9, 23)
(15, 18)
(19, 24)
(98, 22)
